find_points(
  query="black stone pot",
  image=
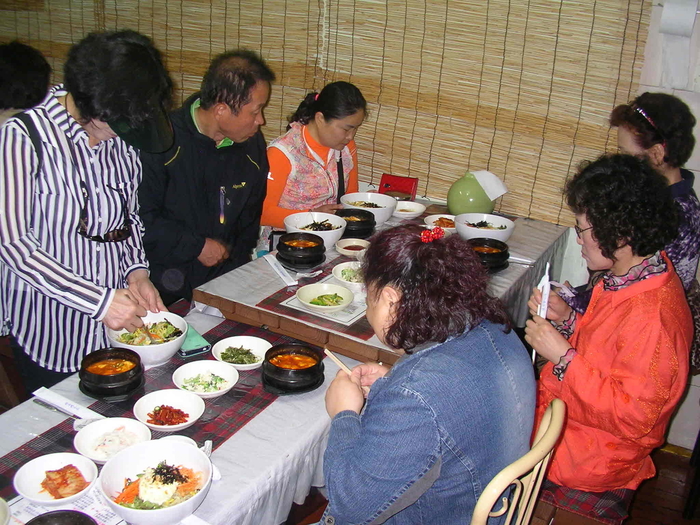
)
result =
(122, 384)
(357, 229)
(492, 261)
(288, 380)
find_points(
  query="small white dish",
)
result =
(355, 288)
(181, 439)
(190, 403)
(206, 366)
(27, 480)
(308, 293)
(408, 209)
(430, 221)
(342, 248)
(93, 442)
(256, 345)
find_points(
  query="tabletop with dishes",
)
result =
(214, 437)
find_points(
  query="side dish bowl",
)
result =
(204, 367)
(135, 460)
(354, 287)
(308, 293)
(256, 345)
(154, 354)
(431, 220)
(190, 403)
(354, 248)
(408, 209)
(27, 480)
(99, 441)
(386, 204)
(108, 372)
(297, 221)
(498, 227)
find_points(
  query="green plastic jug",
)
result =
(467, 196)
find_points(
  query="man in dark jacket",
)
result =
(201, 200)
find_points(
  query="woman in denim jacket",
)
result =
(451, 413)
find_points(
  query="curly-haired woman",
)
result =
(622, 366)
(452, 412)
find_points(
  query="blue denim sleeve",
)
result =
(383, 461)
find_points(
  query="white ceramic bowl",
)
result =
(408, 209)
(27, 480)
(355, 288)
(194, 368)
(256, 345)
(307, 293)
(87, 439)
(133, 461)
(381, 215)
(182, 439)
(190, 403)
(295, 222)
(469, 232)
(4, 512)
(430, 222)
(342, 247)
(158, 354)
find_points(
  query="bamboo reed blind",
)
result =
(522, 88)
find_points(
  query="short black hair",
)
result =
(24, 76)
(626, 201)
(335, 101)
(670, 123)
(231, 77)
(117, 74)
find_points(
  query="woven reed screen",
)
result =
(522, 88)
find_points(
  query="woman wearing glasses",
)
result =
(622, 366)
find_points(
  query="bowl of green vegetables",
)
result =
(243, 352)
(325, 297)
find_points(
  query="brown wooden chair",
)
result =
(525, 475)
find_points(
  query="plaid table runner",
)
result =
(223, 416)
(360, 329)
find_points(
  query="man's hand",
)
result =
(144, 292)
(213, 253)
(544, 338)
(328, 208)
(344, 393)
(124, 312)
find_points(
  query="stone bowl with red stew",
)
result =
(492, 252)
(292, 367)
(110, 372)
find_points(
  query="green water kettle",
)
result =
(467, 196)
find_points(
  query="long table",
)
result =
(269, 463)
(238, 294)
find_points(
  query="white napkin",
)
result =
(65, 405)
(492, 185)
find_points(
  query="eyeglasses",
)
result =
(117, 235)
(579, 231)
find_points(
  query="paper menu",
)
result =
(543, 286)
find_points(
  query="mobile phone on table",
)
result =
(194, 344)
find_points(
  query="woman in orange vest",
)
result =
(315, 162)
(622, 366)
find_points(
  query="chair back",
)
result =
(524, 474)
(397, 184)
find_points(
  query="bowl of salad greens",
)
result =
(242, 352)
(349, 274)
(325, 297)
(206, 378)
(161, 335)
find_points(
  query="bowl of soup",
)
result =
(360, 223)
(492, 253)
(301, 249)
(110, 372)
(292, 368)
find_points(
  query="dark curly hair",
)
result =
(231, 77)
(24, 76)
(625, 201)
(335, 101)
(117, 75)
(670, 123)
(442, 285)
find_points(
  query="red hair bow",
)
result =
(431, 235)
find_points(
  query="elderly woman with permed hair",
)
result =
(621, 368)
(454, 410)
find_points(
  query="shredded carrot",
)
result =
(128, 495)
(192, 483)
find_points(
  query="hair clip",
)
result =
(315, 97)
(431, 235)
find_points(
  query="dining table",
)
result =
(268, 448)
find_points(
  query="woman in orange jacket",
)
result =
(315, 162)
(622, 366)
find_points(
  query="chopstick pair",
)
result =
(342, 366)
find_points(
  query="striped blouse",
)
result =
(56, 285)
